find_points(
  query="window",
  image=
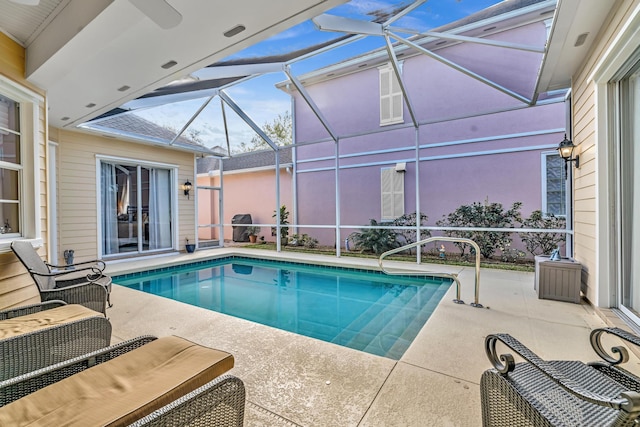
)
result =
(137, 207)
(10, 167)
(20, 152)
(392, 194)
(554, 199)
(391, 100)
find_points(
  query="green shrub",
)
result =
(284, 220)
(482, 215)
(511, 254)
(303, 240)
(543, 242)
(376, 240)
(409, 220)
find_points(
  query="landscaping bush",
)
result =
(543, 242)
(284, 221)
(409, 220)
(376, 240)
(303, 240)
(485, 215)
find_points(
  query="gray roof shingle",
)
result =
(245, 161)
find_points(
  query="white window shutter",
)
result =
(398, 193)
(391, 100)
(386, 193)
(385, 95)
(391, 194)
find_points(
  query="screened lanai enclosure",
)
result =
(402, 115)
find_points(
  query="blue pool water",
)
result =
(364, 310)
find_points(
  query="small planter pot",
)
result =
(253, 238)
(190, 248)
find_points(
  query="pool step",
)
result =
(380, 333)
(367, 319)
(407, 337)
(399, 329)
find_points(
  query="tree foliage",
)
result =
(482, 215)
(280, 131)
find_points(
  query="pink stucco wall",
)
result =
(476, 142)
(251, 193)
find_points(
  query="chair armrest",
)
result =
(95, 276)
(60, 273)
(628, 401)
(95, 263)
(622, 354)
(29, 309)
(90, 295)
(14, 388)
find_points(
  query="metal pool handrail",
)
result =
(452, 276)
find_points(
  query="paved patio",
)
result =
(295, 380)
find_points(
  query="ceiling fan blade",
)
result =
(326, 22)
(159, 11)
(27, 2)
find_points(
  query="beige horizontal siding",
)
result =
(584, 126)
(16, 286)
(77, 187)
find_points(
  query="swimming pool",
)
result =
(360, 309)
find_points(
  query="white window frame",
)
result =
(174, 201)
(388, 76)
(29, 167)
(391, 194)
(545, 183)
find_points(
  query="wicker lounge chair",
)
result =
(550, 393)
(142, 382)
(610, 365)
(85, 284)
(40, 335)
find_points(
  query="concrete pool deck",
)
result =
(295, 380)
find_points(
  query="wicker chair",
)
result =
(85, 284)
(219, 402)
(550, 393)
(31, 338)
(610, 365)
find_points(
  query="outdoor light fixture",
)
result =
(187, 187)
(565, 149)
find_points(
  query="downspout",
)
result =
(569, 184)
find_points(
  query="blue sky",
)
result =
(263, 102)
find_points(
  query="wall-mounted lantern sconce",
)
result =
(565, 149)
(187, 187)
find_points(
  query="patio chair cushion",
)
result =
(44, 319)
(122, 390)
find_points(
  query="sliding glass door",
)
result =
(137, 214)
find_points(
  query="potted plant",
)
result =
(284, 220)
(253, 231)
(190, 247)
